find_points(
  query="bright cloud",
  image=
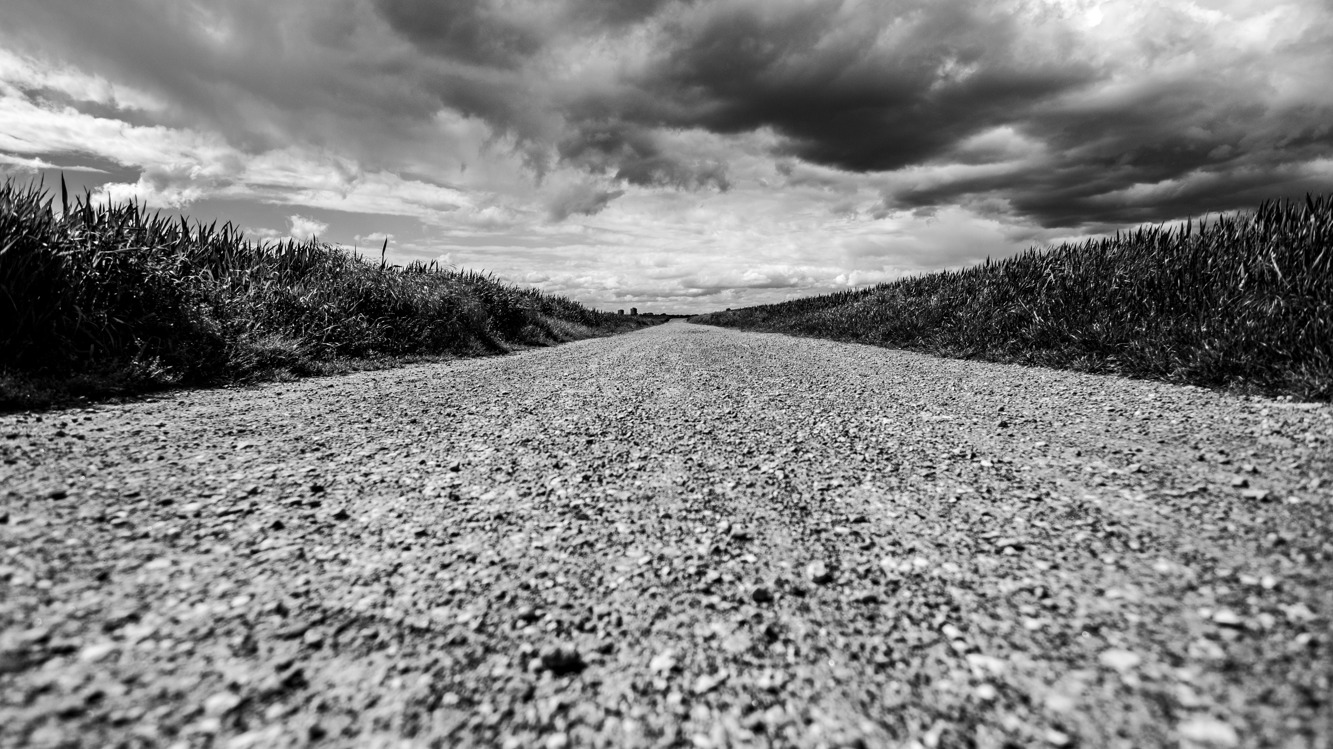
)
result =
(306, 228)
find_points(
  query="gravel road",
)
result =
(683, 536)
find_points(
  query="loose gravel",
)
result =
(683, 536)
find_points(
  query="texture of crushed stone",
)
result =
(683, 536)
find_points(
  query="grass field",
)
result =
(1243, 302)
(98, 299)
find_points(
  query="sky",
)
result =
(674, 155)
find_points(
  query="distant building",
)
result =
(634, 310)
(620, 312)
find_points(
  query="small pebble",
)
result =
(818, 573)
(562, 660)
(1057, 738)
(96, 652)
(1119, 660)
(708, 683)
(1209, 732)
(221, 703)
(663, 662)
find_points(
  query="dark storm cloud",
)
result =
(581, 199)
(840, 96)
(615, 13)
(823, 79)
(1083, 195)
(486, 33)
(1097, 125)
(821, 75)
(636, 155)
(465, 30)
(1176, 151)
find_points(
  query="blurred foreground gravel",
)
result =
(684, 536)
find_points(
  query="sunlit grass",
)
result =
(1244, 302)
(114, 293)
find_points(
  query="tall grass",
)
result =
(1243, 302)
(112, 291)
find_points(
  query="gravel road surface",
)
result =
(683, 536)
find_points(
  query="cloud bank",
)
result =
(809, 143)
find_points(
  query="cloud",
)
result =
(858, 86)
(584, 198)
(21, 74)
(1070, 118)
(1070, 107)
(665, 250)
(775, 145)
(377, 237)
(474, 33)
(262, 234)
(638, 156)
(21, 164)
(303, 228)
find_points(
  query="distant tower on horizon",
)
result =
(634, 310)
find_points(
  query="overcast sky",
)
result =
(675, 155)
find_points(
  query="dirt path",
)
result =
(682, 536)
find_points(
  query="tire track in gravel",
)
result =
(680, 536)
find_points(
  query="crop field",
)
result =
(1243, 302)
(110, 298)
